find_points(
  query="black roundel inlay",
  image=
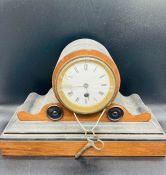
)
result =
(55, 112)
(115, 113)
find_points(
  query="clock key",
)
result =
(87, 146)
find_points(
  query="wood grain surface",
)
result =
(70, 148)
(68, 115)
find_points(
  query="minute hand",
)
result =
(71, 86)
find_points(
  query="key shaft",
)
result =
(87, 146)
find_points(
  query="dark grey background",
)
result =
(34, 32)
(32, 35)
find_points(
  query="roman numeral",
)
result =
(77, 99)
(95, 99)
(85, 66)
(70, 76)
(101, 93)
(95, 69)
(101, 76)
(103, 84)
(76, 70)
(70, 93)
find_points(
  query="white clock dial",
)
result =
(85, 84)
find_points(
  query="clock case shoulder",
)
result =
(131, 113)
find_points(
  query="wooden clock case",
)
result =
(30, 132)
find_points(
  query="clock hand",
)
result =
(71, 86)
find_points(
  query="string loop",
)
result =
(90, 133)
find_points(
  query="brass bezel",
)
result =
(85, 109)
